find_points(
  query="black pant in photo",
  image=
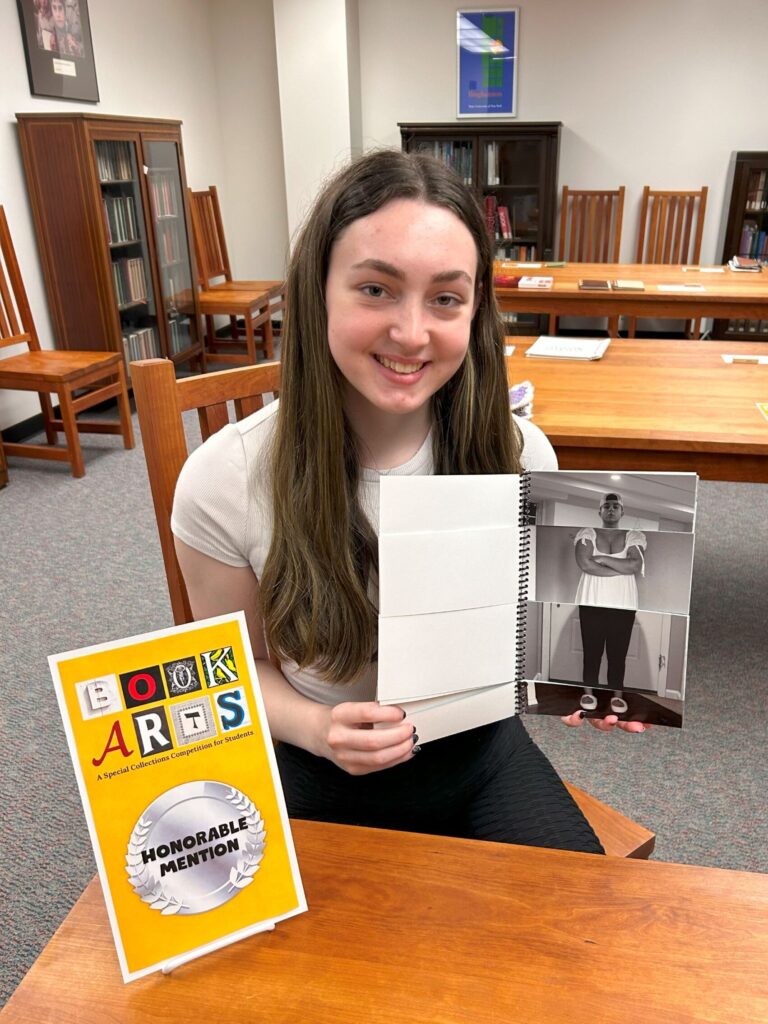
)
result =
(609, 630)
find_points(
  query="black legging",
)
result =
(609, 630)
(487, 783)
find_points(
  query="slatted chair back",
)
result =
(161, 401)
(590, 225)
(671, 226)
(16, 324)
(208, 236)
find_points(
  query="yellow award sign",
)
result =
(178, 779)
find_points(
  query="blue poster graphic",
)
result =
(487, 59)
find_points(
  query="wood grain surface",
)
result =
(653, 405)
(420, 928)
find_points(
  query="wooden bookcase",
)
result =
(746, 234)
(108, 197)
(510, 166)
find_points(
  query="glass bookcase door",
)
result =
(117, 166)
(172, 242)
(513, 173)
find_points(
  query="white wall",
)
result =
(252, 183)
(313, 70)
(654, 93)
(152, 59)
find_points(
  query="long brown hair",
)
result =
(323, 556)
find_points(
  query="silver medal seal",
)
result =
(195, 847)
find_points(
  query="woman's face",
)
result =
(611, 512)
(400, 297)
(59, 13)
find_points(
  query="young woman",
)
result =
(392, 362)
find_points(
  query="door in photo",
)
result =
(646, 659)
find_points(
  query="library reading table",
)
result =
(653, 405)
(418, 928)
(729, 294)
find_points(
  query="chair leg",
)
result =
(631, 321)
(269, 347)
(124, 408)
(47, 406)
(210, 334)
(250, 340)
(71, 432)
(552, 325)
(613, 327)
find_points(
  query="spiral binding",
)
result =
(522, 604)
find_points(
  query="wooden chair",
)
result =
(590, 232)
(249, 304)
(160, 402)
(671, 226)
(80, 380)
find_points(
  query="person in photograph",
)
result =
(392, 363)
(610, 560)
(60, 37)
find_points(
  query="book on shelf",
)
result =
(536, 281)
(505, 225)
(141, 343)
(757, 197)
(483, 580)
(550, 347)
(489, 202)
(591, 284)
(177, 774)
(113, 161)
(627, 284)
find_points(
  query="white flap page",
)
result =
(429, 655)
(444, 716)
(448, 570)
(415, 503)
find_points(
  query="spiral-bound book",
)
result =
(543, 593)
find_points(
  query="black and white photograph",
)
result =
(635, 669)
(611, 565)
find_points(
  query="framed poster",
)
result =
(486, 54)
(58, 48)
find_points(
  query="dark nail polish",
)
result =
(415, 737)
(582, 714)
(415, 750)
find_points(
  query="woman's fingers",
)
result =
(358, 746)
(607, 724)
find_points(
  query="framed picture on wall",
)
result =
(486, 56)
(58, 48)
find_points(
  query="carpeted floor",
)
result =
(80, 564)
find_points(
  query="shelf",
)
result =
(118, 181)
(133, 305)
(120, 245)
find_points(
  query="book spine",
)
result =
(526, 514)
(490, 215)
(504, 222)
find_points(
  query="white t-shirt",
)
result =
(223, 508)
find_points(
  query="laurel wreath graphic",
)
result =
(152, 891)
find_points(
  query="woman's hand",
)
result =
(607, 724)
(349, 739)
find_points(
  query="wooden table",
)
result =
(425, 929)
(727, 295)
(653, 405)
